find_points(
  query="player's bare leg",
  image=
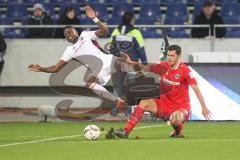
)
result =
(176, 120)
(93, 84)
(144, 105)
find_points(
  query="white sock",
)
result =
(102, 92)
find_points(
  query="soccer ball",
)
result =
(91, 132)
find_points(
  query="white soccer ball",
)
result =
(91, 132)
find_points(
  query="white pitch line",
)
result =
(41, 140)
(160, 140)
(64, 137)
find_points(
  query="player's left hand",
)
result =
(90, 12)
(120, 103)
(206, 113)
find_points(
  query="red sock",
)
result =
(136, 116)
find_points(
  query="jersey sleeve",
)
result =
(159, 69)
(91, 34)
(67, 55)
(189, 76)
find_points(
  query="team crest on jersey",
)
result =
(177, 76)
(191, 75)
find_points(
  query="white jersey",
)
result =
(85, 47)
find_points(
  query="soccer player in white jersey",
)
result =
(84, 49)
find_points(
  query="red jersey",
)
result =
(178, 80)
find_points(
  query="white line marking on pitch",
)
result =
(64, 137)
(158, 141)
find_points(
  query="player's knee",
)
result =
(177, 118)
(145, 104)
(88, 84)
(91, 81)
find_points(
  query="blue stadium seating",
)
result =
(175, 32)
(230, 10)
(149, 13)
(11, 32)
(193, 2)
(56, 2)
(14, 33)
(151, 35)
(144, 1)
(114, 21)
(226, 1)
(148, 32)
(112, 2)
(197, 9)
(150, 10)
(49, 8)
(100, 10)
(146, 21)
(7, 2)
(166, 2)
(87, 1)
(6, 21)
(55, 18)
(232, 32)
(16, 11)
(177, 10)
(120, 8)
(86, 21)
(32, 1)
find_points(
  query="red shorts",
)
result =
(164, 110)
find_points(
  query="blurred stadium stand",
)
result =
(150, 10)
(230, 31)
(147, 13)
(120, 8)
(173, 31)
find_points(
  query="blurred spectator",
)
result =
(67, 18)
(39, 17)
(128, 39)
(3, 47)
(209, 16)
(127, 33)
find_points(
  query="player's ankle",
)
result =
(178, 128)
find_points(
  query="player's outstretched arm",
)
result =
(206, 113)
(103, 29)
(51, 69)
(142, 67)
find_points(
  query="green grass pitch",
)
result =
(64, 141)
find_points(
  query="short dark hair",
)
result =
(68, 9)
(127, 17)
(208, 4)
(176, 48)
(68, 27)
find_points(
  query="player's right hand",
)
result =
(34, 67)
(206, 113)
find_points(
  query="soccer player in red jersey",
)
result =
(173, 105)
